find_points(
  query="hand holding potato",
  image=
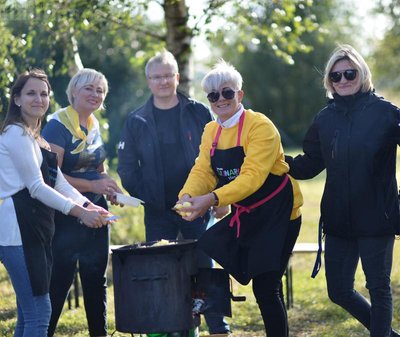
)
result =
(191, 208)
(178, 206)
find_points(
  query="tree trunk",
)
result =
(179, 38)
(77, 64)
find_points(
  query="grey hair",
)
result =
(222, 73)
(83, 77)
(163, 57)
(347, 52)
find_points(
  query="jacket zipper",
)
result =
(334, 144)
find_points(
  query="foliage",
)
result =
(262, 38)
(291, 93)
(278, 25)
(117, 37)
(130, 228)
(12, 49)
(62, 36)
(385, 57)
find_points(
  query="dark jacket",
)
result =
(355, 139)
(139, 157)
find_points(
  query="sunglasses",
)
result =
(226, 93)
(349, 74)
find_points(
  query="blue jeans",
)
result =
(33, 312)
(341, 259)
(167, 225)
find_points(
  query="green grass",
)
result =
(313, 315)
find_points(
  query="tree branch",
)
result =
(140, 30)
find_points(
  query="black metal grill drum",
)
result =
(152, 286)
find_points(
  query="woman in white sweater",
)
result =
(31, 187)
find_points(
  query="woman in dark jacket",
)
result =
(355, 138)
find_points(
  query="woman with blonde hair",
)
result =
(74, 134)
(355, 138)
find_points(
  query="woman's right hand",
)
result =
(93, 218)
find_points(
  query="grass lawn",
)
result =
(313, 315)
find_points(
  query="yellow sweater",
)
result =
(263, 155)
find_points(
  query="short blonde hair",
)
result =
(163, 57)
(83, 77)
(222, 72)
(347, 52)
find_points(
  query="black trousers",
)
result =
(267, 289)
(341, 261)
(77, 246)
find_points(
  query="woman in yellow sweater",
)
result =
(241, 163)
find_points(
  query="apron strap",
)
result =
(240, 128)
(218, 134)
(215, 142)
(236, 219)
(240, 209)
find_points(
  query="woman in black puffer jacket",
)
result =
(355, 138)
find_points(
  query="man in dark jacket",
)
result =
(158, 147)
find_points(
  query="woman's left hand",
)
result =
(112, 198)
(220, 212)
(110, 188)
(99, 209)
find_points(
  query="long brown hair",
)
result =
(14, 115)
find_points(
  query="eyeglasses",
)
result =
(226, 93)
(159, 78)
(349, 74)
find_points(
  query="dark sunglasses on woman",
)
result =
(349, 74)
(226, 93)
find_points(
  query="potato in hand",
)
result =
(178, 206)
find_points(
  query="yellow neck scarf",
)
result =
(69, 117)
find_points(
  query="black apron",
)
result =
(248, 242)
(36, 224)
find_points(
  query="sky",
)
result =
(373, 25)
